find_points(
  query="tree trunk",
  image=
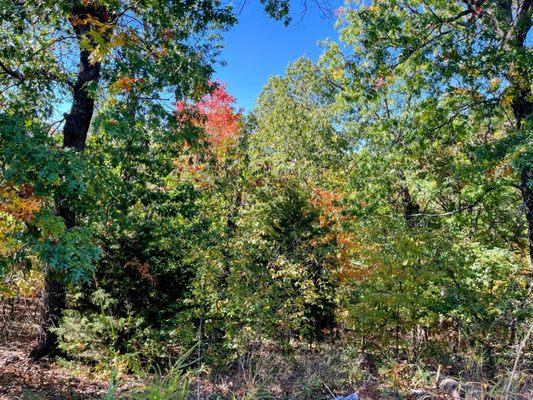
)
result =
(522, 107)
(77, 123)
(410, 208)
(53, 303)
(514, 39)
(527, 196)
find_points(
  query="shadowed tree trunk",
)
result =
(77, 123)
(53, 303)
(522, 105)
(526, 177)
(411, 209)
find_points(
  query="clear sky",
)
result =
(259, 47)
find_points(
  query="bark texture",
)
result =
(53, 303)
(77, 123)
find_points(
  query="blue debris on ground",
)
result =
(353, 396)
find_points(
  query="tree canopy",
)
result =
(380, 195)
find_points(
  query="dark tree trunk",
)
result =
(411, 209)
(77, 123)
(522, 107)
(53, 303)
(521, 89)
(526, 187)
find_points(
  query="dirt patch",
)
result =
(23, 378)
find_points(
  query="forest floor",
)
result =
(53, 379)
(58, 379)
(24, 379)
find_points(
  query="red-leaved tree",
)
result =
(216, 114)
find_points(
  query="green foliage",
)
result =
(429, 87)
(173, 385)
(96, 337)
(138, 61)
(297, 125)
(30, 160)
(380, 193)
(267, 269)
(146, 222)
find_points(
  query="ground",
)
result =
(22, 378)
(58, 379)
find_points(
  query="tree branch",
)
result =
(14, 74)
(458, 210)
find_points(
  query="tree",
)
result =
(215, 115)
(92, 54)
(437, 91)
(437, 64)
(285, 247)
(297, 125)
(152, 47)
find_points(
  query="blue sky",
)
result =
(259, 47)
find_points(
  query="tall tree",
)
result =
(298, 124)
(458, 70)
(81, 55)
(433, 89)
(94, 52)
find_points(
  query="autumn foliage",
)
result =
(217, 117)
(334, 215)
(216, 114)
(19, 201)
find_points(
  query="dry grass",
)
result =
(262, 371)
